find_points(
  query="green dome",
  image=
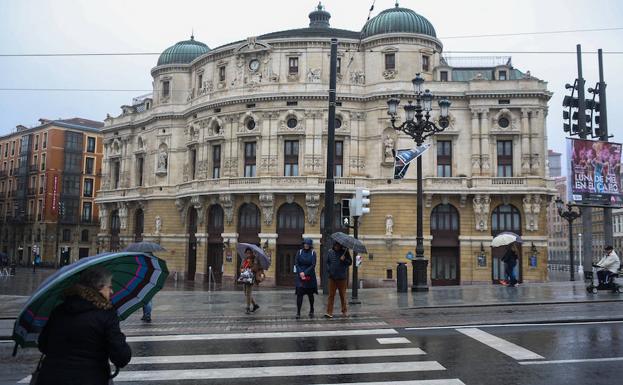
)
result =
(183, 52)
(396, 20)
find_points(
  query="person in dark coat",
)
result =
(306, 283)
(83, 334)
(510, 259)
(338, 260)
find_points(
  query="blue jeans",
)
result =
(510, 273)
(147, 309)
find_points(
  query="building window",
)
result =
(501, 75)
(166, 88)
(249, 159)
(291, 158)
(425, 63)
(89, 166)
(36, 142)
(91, 144)
(221, 73)
(13, 148)
(40, 210)
(66, 235)
(35, 162)
(443, 76)
(45, 140)
(293, 65)
(292, 122)
(140, 162)
(199, 81)
(88, 187)
(87, 212)
(42, 162)
(339, 159)
(216, 162)
(11, 169)
(503, 122)
(250, 124)
(116, 168)
(505, 158)
(84, 236)
(390, 61)
(41, 183)
(6, 150)
(193, 163)
(444, 158)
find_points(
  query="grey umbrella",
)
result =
(263, 259)
(349, 242)
(144, 247)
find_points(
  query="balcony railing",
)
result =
(34, 168)
(89, 221)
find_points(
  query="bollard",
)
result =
(401, 277)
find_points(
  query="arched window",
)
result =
(505, 218)
(291, 218)
(249, 225)
(444, 218)
(84, 236)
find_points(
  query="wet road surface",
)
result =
(343, 354)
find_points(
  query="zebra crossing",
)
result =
(356, 357)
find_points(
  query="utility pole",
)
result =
(329, 185)
(355, 292)
(587, 213)
(603, 125)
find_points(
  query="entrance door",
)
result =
(192, 244)
(290, 229)
(214, 258)
(83, 252)
(504, 218)
(139, 224)
(445, 250)
(249, 228)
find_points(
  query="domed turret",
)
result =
(397, 20)
(183, 52)
(319, 18)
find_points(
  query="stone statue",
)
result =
(162, 161)
(389, 224)
(158, 224)
(389, 147)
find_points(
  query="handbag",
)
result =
(34, 378)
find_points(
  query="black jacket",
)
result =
(80, 337)
(510, 257)
(337, 268)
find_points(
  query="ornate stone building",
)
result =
(231, 147)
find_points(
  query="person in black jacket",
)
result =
(338, 260)
(510, 259)
(83, 334)
(306, 283)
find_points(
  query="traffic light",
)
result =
(359, 203)
(346, 211)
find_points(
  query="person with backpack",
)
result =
(306, 283)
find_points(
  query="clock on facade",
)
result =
(254, 65)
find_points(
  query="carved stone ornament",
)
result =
(227, 202)
(103, 217)
(267, 203)
(313, 163)
(481, 211)
(428, 200)
(389, 224)
(390, 74)
(532, 209)
(476, 162)
(290, 198)
(525, 163)
(357, 77)
(463, 200)
(312, 201)
(123, 215)
(158, 224)
(198, 202)
(486, 165)
(313, 75)
(388, 148)
(181, 205)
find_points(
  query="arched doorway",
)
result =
(214, 257)
(504, 218)
(139, 224)
(192, 244)
(115, 229)
(290, 229)
(249, 227)
(445, 251)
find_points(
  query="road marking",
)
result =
(611, 359)
(277, 371)
(501, 345)
(238, 336)
(453, 381)
(514, 325)
(394, 340)
(314, 355)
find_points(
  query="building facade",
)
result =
(617, 227)
(48, 178)
(231, 147)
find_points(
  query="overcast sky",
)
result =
(76, 26)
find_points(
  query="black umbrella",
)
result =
(144, 247)
(349, 242)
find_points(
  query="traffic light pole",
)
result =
(603, 125)
(355, 299)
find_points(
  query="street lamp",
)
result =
(418, 126)
(570, 215)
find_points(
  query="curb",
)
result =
(540, 303)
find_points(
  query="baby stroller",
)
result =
(612, 284)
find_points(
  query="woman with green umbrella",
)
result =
(82, 335)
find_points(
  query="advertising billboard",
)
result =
(402, 159)
(594, 172)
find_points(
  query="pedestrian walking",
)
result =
(338, 260)
(36, 260)
(251, 272)
(306, 283)
(82, 335)
(510, 260)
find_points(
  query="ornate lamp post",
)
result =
(418, 126)
(570, 215)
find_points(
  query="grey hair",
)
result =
(96, 277)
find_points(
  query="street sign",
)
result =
(410, 256)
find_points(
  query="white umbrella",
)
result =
(505, 239)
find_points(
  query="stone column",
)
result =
(484, 143)
(526, 158)
(476, 160)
